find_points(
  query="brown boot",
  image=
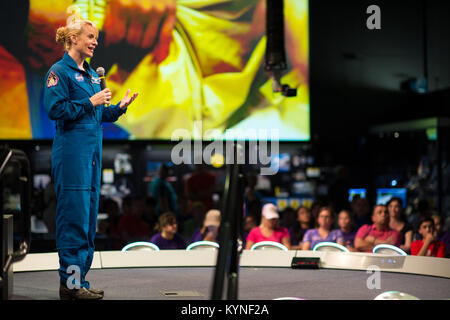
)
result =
(97, 291)
(77, 294)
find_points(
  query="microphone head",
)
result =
(100, 71)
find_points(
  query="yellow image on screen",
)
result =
(192, 61)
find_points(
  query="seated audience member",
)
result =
(324, 232)
(210, 228)
(346, 224)
(428, 245)
(167, 237)
(398, 221)
(440, 233)
(132, 227)
(361, 210)
(269, 229)
(304, 223)
(368, 236)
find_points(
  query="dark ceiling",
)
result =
(356, 73)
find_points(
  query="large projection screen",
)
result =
(198, 66)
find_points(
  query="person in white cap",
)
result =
(210, 229)
(211, 225)
(269, 229)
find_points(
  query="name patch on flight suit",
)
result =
(79, 77)
(95, 80)
(52, 79)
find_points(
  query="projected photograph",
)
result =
(198, 66)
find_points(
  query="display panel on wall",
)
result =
(198, 67)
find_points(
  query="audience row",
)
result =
(387, 225)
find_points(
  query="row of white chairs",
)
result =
(267, 245)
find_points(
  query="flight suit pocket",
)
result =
(77, 160)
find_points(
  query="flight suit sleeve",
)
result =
(57, 102)
(112, 113)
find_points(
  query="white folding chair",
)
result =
(268, 245)
(330, 246)
(140, 246)
(203, 245)
(388, 249)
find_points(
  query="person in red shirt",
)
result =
(427, 246)
(132, 227)
(200, 186)
(368, 236)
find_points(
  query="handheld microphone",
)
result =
(101, 74)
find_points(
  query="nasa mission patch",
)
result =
(52, 79)
(79, 77)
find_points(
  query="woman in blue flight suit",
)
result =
(74, 100)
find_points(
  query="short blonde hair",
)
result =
(74, 26)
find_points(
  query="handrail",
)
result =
(21, 158)
(25, 203)
(7, 156)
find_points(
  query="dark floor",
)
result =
(254, 284)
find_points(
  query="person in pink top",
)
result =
(368, 236)
(269, 229)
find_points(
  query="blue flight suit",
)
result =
(76, 161)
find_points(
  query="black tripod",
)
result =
(231, 234)
(231, 231)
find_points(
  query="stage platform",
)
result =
(263, 275)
